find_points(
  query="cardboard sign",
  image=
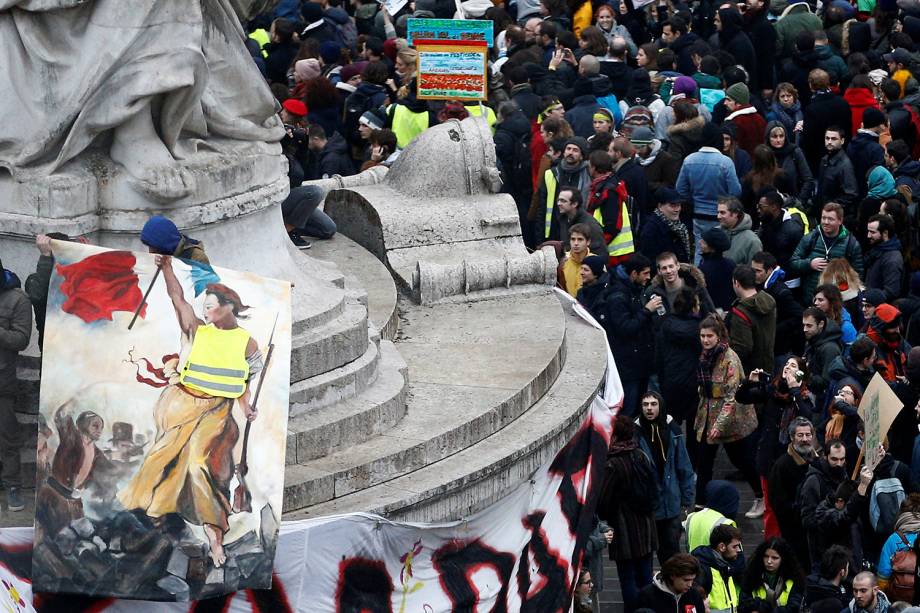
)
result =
(465, 30)
(878, 408)
(393, 6)
(452, 72)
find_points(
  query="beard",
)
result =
(837, 473)
(806, 451)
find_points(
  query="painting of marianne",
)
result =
(189, 506)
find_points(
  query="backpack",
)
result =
(903, 572)
(885, 502)
(519, 173)
(355, 105)
(643, 494)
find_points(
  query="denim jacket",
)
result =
(704, 176)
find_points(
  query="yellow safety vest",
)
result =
(782, 600)
(407, 124)
(700, 525)
(262, 37)
(722, 597)
(794, 211)
(217, 362)
(549, 179)
(475, 111)
(622, 243)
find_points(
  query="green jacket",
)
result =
(815, 245)
(795, 19)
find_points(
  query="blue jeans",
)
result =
(634, 574)
(700, 226)
(632, 396)
(300, 211)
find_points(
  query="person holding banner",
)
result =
(188, 469)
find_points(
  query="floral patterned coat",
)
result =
(721, 415)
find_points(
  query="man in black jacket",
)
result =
(732, 38)
(663, 230)
(825, 109)
(836, 177)
(330, 155)
(673, 586)
(822, 345)
(884, 262)
(522, 92)
(770, 275)
(628, 324)
(829, 582)
(780, 231)
(864, 150)
(763, 36)
(720, 559)
(678, 37)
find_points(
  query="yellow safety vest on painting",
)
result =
(700, 525)
(549, 179)
(407, 124)
(217, 362)
(782, 600)
(722, 597)
(622, 243)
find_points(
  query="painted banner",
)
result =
(878, 408)
(452, 72)
(522, 553)
(393, 6)
(164, 403)
(467, 30)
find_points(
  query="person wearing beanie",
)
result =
(749, 124)
(16, 330)
(293, 110)
(592, 281)
(661, 167)
(721, 500)
(160, 235)
(304, 72)
(570, 170)
(369, 95)
(717, 269)
(705, 176)
(891, 349)
(684, 88)
(864, 149)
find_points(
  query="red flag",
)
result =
(101, 284)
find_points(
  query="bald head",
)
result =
(618, 48)
(589, 66)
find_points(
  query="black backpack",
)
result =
(356, 105)
(518, 176)
(643, 494)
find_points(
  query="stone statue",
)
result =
(151, 82)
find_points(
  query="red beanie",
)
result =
(295, 107)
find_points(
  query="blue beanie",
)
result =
(723, 497)
(161, 234)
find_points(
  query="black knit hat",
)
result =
(717, 239)
(596, 263)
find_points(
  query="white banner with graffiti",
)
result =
(522, 553)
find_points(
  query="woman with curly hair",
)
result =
(774, 580)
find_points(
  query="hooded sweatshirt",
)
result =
(745, 242)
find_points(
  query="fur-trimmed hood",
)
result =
(691, 275)
(684, 128)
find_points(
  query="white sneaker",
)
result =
(756, 509)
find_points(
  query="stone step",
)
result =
(468, 481)
(330, 346)
(316, 433)
(463, 389)
(336, 385)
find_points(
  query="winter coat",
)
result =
(818, 588)
(686, 137)
(665, 118)
(786, 475)
(588, 295)
(596, 243)
(763, 36)
(717, 269)
(581, 115)
(816, 245)
(280, 56)
(335, 159)
(657, 596)
(677, 351)
(36, 288)
(885, 269)
(594, 554)
(793, 164)
(681, 48)
(735, 41)
(781, 236)
(744, 242)
(820, 352)
(633, 175)
(821, 525)
(635, 532)
(749, 127)
(865, 152)
(526, 99)
(620, 75)
(509, 132)
(677, 482)
(704, 177)
(859, 99)
(661, 169)
(789, 337)
(629, 328)
(657, 237)
(731, 420)
(711, 562)
(781, 404)
(693, 278)
(795, 19)
(837, 183)
(15, 330)
(826, 109)
(752, 329)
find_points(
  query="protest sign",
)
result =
(462, 30)
(393, 6)
(164, 381)
(878, 408)
(452, 72)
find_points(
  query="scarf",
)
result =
(571, 174)
(907, 523)
(834, 428)
(678, 230)
(656, 433)
(656, 149)
(788, 117)
(708, 360)
(596, 193)
(783, 394)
